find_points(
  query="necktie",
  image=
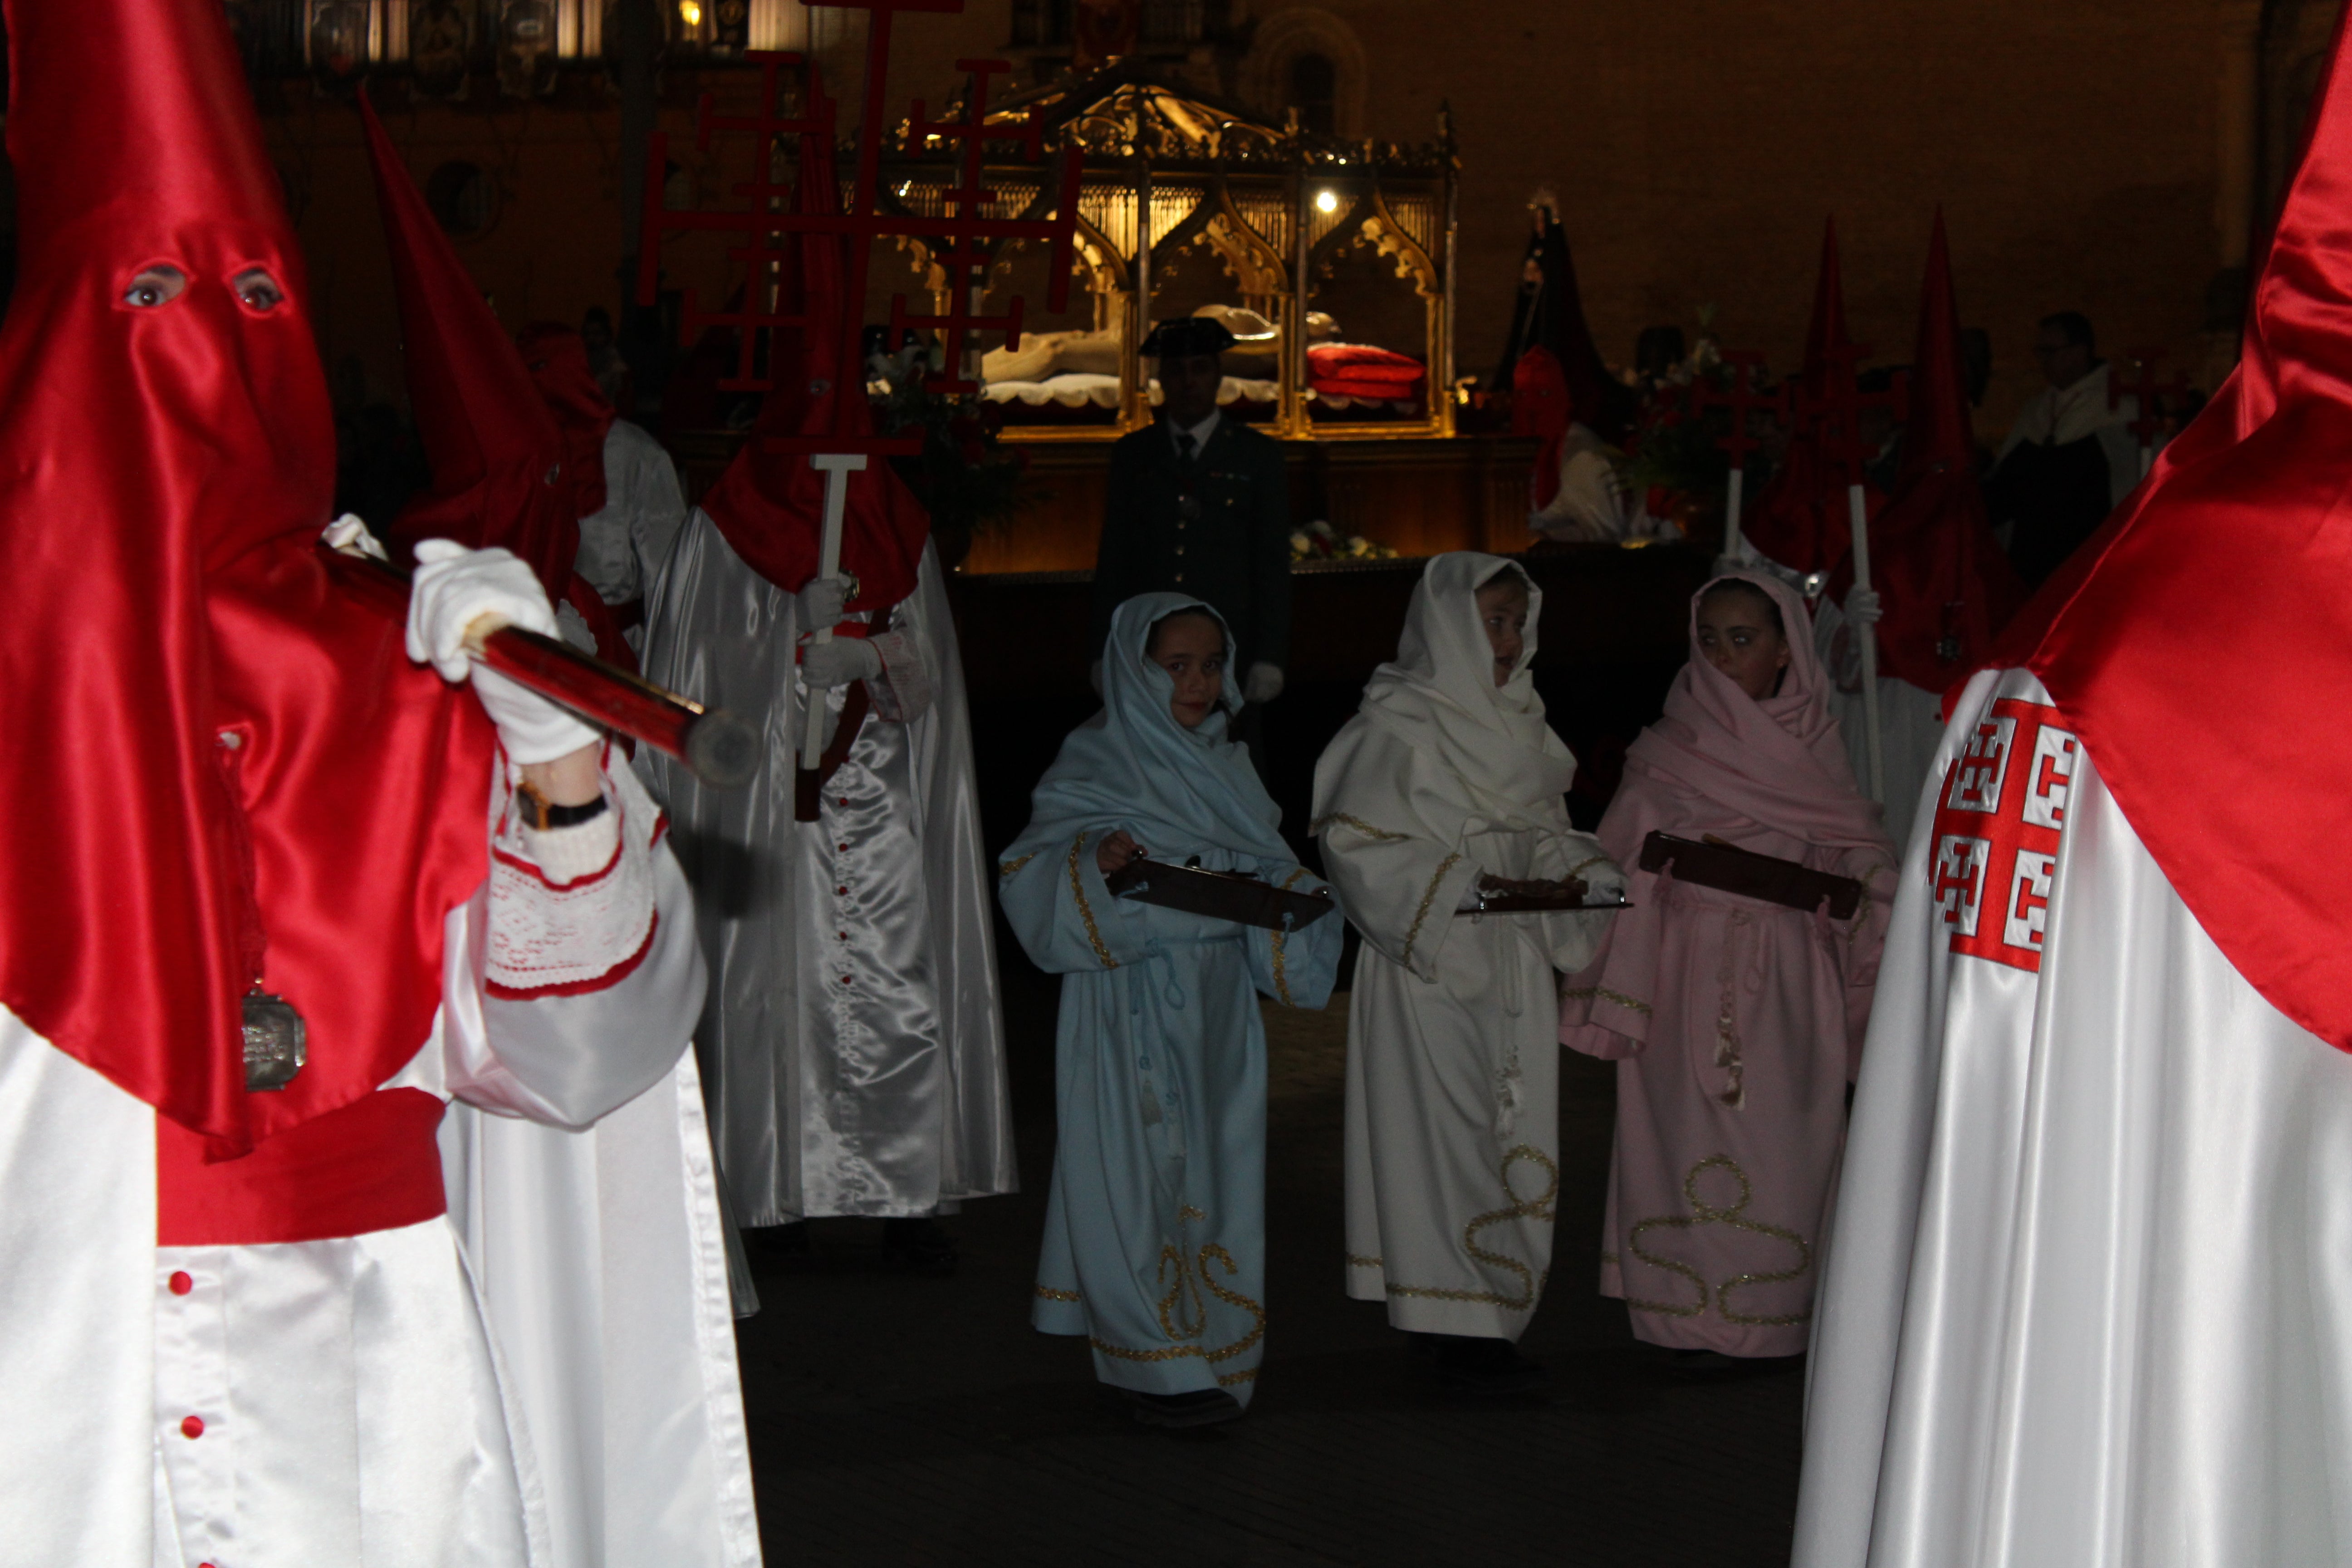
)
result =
(1186, 447)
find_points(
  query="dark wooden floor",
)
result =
(898, 1420)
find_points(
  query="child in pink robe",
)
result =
(1736, 1023)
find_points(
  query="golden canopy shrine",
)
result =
(1331, 262)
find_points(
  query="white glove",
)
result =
(453, 590)
(1725, 565)
(818, 606)
(1263, 685)
(348, 535)
(840, 661)
(1861, 606)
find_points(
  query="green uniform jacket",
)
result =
(1231, 548)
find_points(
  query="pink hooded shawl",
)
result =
(1769, 775)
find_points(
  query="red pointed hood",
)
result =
(1947, 588)
(557, 358)
(770, 504)
(1800, 518)
(166, 461)
(495, 453)
(2200, 642)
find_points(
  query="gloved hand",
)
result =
(1861, 606)
(454, 589)
(1725, 565)
(840, 661)
(818, 606)
(1263, 685)
(349, 536)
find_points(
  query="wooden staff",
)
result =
(717, 747)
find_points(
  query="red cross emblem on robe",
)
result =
(1998, 824)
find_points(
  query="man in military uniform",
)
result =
(1200, 504)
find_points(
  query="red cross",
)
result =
(1998, 821)
(1835, 412)
(1744, 369)
(2147, 389)
(964, 242)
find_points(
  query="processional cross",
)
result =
(2148, 390)
(964, 242)
(1745, 368)
(1836, 416)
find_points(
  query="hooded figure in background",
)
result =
(1736, 1022)
(1445, 785)
(1160, 1057)
(1941, 588)
(2088, 1295)
(502, 474)
(624, 484)
(852, 1046)
(1801, 520)
(249, 1317)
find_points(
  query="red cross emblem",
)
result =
(1998, 824)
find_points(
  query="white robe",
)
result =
(622, 548)
(852, 1049)
(1592, 504)
(2088, 1302)
(1910, 719)
(388, 1397)
(1452, 1108)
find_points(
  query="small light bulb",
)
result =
(1327, 201)
(691, 13)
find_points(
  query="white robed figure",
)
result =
(2088, 1300)
(852, 1046)
(1155, 1230)
(1448, 780)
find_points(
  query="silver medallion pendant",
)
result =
(277, 1043)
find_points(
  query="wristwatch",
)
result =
(542, 814)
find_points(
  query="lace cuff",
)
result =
(902, 693)
(571, 910)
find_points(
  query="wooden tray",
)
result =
(1750, 875)
(1220, 895)
(1520, 904)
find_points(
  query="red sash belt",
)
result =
(372, 1165)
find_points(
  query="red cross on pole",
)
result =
(964, 241)
(1836, 416)
(2150, 392)
(1744, 369)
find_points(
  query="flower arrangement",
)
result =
(1318, 541)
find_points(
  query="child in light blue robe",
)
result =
(1155, 1230)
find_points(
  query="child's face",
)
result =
(1737, 638)
(1503, 612)
(1192, 649)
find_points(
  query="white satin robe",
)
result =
(852, 1047)
(622, 547)
(2088, 1300)
(544, 1377)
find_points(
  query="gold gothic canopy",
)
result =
(1331, 262)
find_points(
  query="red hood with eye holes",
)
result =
(163, 475)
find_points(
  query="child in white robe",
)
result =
(1448, 784)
